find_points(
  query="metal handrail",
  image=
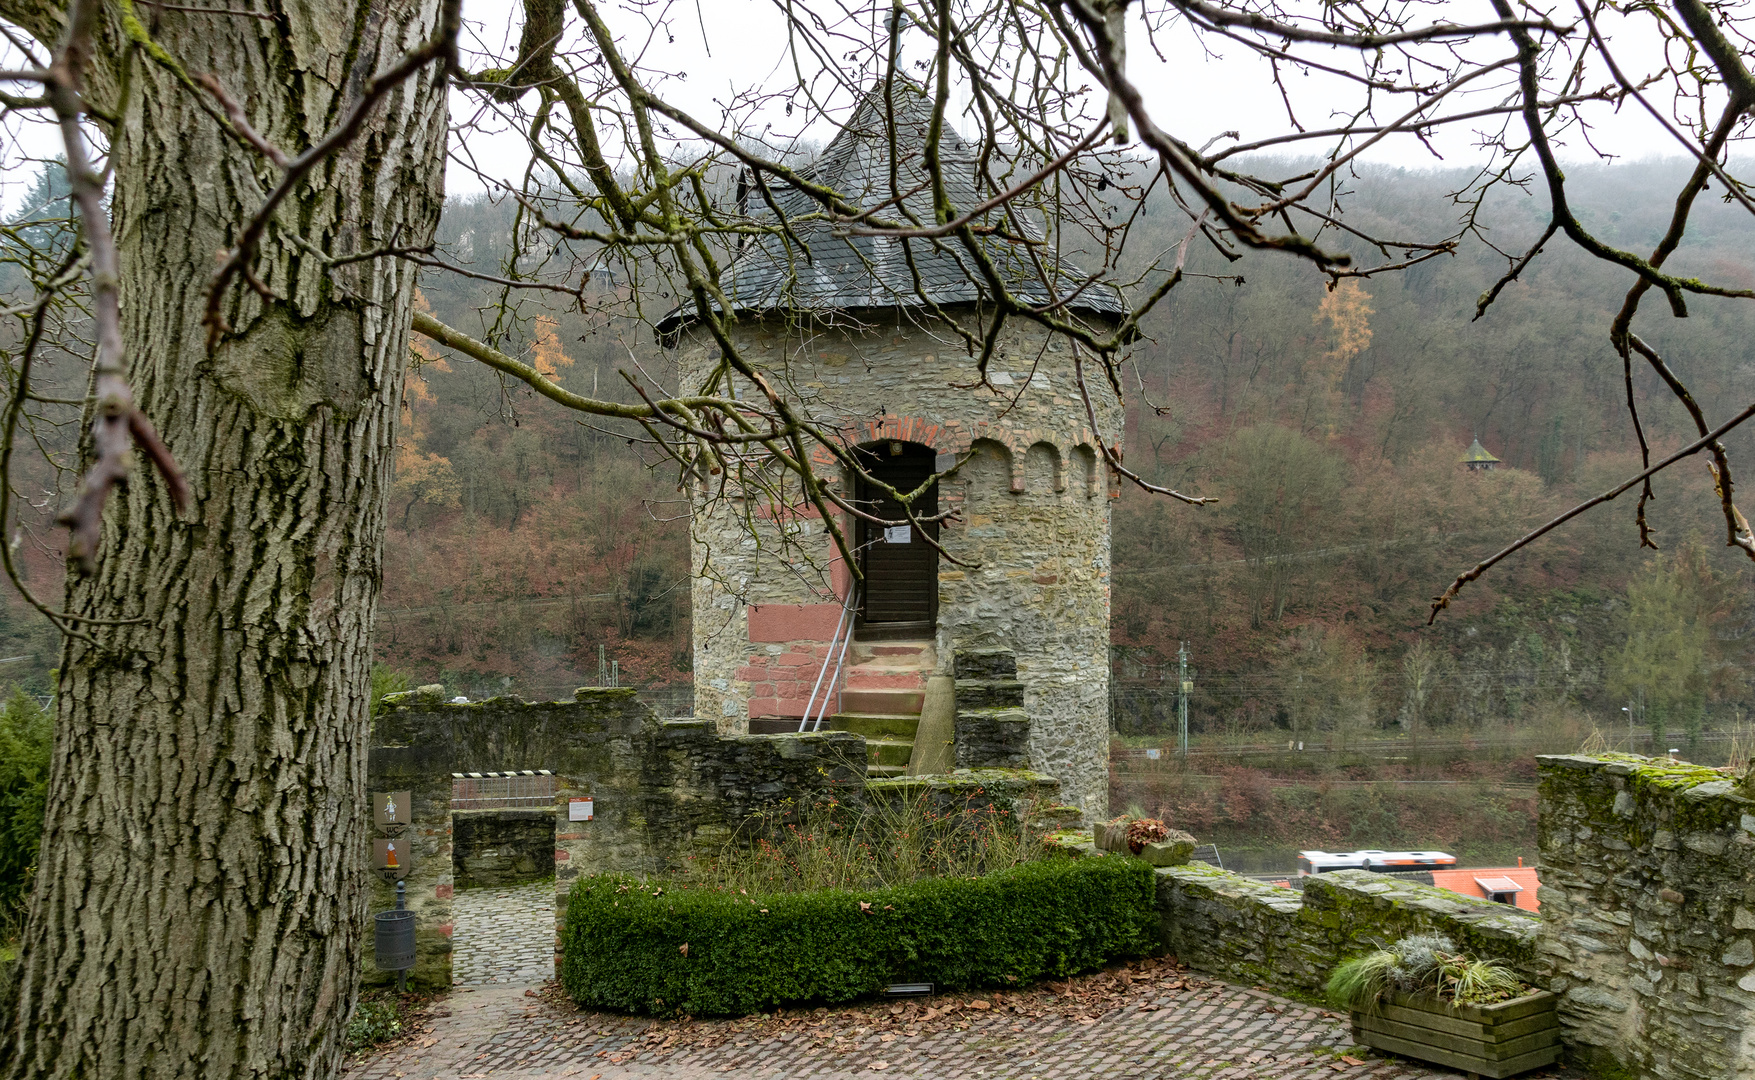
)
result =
(834, 686)
(834, 642)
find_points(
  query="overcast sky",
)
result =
(729, 46)
(724, 47)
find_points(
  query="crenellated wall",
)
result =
(1030, 534)
(1648, 915)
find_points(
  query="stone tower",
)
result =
(838, 323)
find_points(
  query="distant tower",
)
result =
(836, 322)
(1477, 459)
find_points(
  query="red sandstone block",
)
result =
(562, 856)
(792, 659)
(885, 680)
(445, 929)
(443, 891)
(793, 622)
(570, 836)
(764, 706)
(752, 673)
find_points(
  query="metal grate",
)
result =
(502, 790)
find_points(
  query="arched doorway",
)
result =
(900, 596)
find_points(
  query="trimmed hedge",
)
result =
(624, 943)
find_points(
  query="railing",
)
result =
(837, 656)
(502, 791)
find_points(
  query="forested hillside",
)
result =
(526, 542)
(1330, 425)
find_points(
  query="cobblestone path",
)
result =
(1202, 1030)
(504, 936)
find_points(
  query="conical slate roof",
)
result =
(1477, 453)
(848, 272)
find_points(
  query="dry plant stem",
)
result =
(117, 425)
(1439, 603)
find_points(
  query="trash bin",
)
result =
(395, 940)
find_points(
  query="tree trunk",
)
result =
(200, 893)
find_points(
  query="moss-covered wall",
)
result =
(1648, 915)
(662, 791)
(1264, 935)
(492, 848)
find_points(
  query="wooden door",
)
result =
(900, 598)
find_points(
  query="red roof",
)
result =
(1502, 879)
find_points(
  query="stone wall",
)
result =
(992, 728)
(661, 791)
(1648, 915)
(1032, 527)
(501, 847)
(1263, 935)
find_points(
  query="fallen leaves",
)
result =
(863, 1029)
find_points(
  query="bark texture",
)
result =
(201, 887)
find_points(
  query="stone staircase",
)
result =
(883, 688)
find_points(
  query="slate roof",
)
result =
(845, 272)
(1477, 452)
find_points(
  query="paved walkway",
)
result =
(1142, 1022)
(503, 936)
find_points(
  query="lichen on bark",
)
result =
(201, 884)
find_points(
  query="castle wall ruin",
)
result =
(1648, 914)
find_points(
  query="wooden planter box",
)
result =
(1481, 1040)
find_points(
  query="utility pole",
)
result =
(1184, 684)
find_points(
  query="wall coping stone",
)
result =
(1260, 934)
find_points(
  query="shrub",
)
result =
(27, 736)
(376, 1019)
(650, 947)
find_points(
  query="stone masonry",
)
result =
(1648, 915)
(992, 728)
(1032, 527)
(1258, 933)
(661, 791)
(502, 847)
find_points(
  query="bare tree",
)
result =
(200, 889)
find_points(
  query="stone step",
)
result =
(989, 694)
(876, 725)
(899, 655)
(879, 772)
(779, 725)
(864, 678)
(893, 702)
(884, 752)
